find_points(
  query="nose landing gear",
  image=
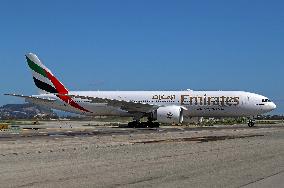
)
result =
(251, 122)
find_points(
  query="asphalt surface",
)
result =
(95, 156)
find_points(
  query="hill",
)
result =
(25, 111)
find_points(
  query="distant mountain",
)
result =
(25, 111)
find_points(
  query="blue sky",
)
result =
(145, 45)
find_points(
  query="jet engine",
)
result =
(169, 114)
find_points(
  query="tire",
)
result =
(156, 124)
(131, 124)
(250, 124)
(150, 124)
(143, 125)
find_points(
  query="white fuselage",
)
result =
(197, 103)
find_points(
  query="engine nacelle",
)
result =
(169, 114)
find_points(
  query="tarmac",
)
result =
(88, 154)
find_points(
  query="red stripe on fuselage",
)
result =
(62, 90)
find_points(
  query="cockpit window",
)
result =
(266, 100)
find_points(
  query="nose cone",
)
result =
(273, 106)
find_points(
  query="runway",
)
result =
(76, 155)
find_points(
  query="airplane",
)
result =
(170, 107)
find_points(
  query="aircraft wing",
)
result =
(129, 106)
(29, 98)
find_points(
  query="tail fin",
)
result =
(45, 81)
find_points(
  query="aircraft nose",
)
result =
(273, 106)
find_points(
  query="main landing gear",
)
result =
(148, 124)
(251, 122)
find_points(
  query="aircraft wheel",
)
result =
(156, 124)
(131, 125)
(134, 124)
(143, 125)
(251, 123)
(150, 124)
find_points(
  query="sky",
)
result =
(145, 45)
